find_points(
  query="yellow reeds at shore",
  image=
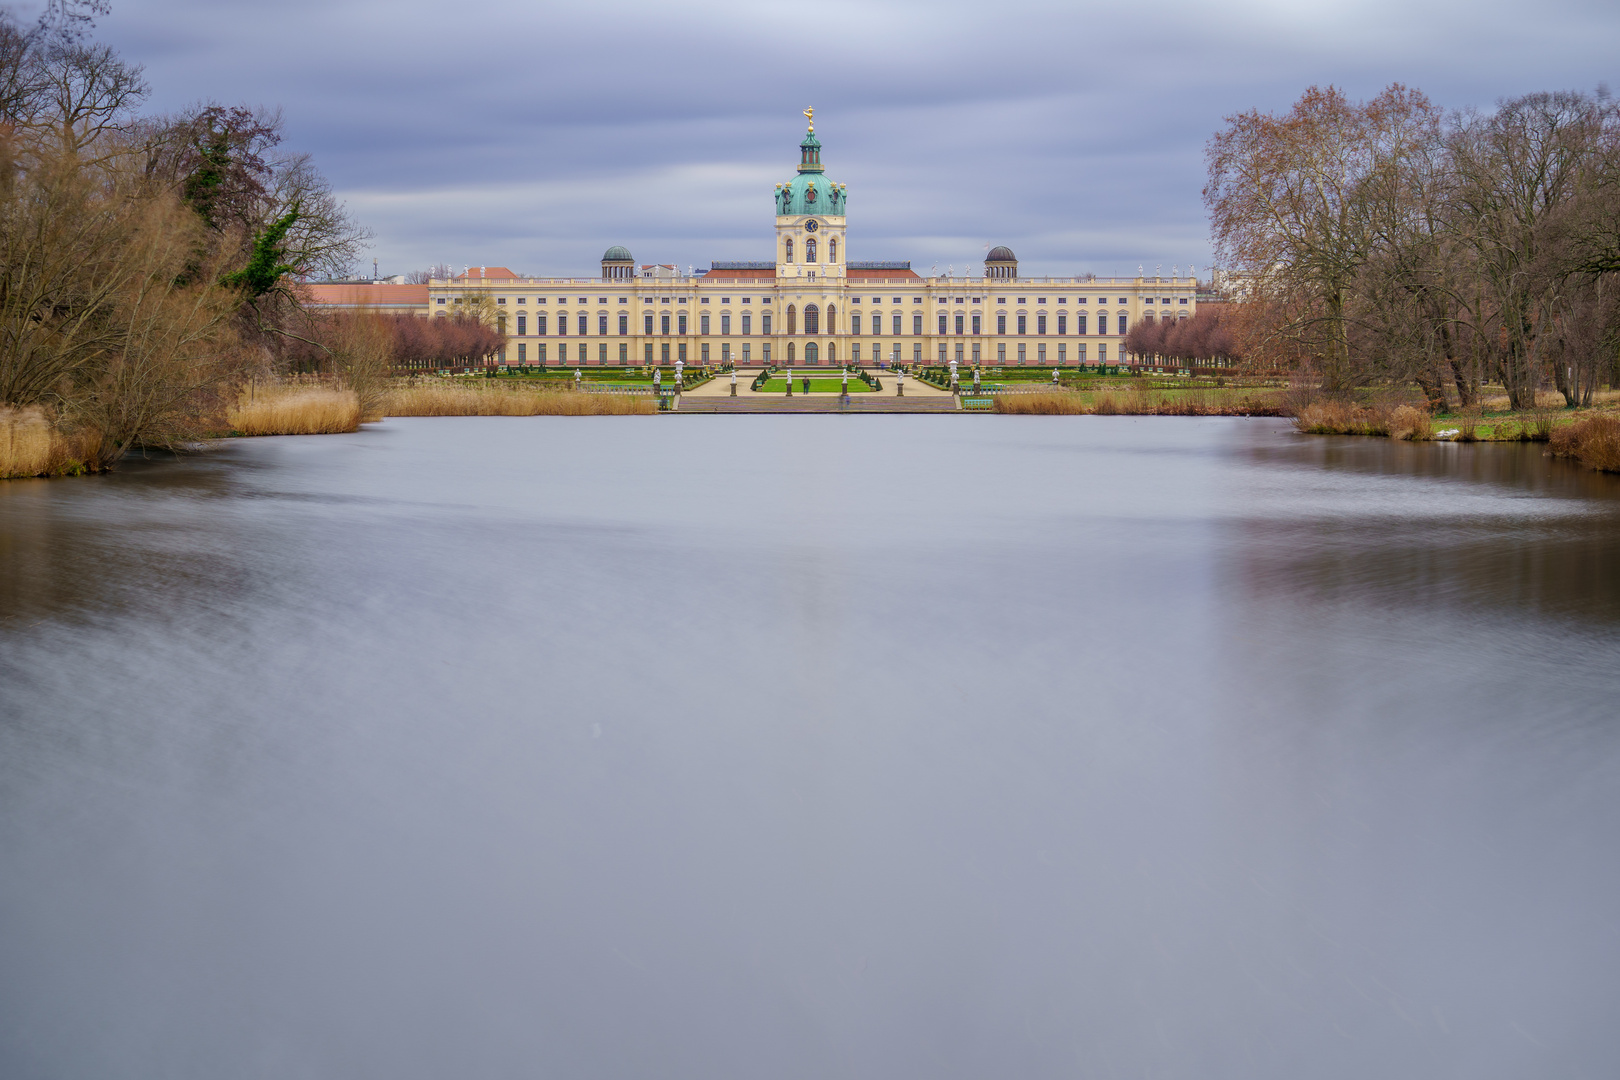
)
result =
(30, 445)
(1594, 442)
(452, 400)
(294, 410)
(1139, 403)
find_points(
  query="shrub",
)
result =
(1594, 442)
(1411, 424)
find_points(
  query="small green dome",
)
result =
(617, 253)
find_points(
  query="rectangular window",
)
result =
(1001, 353)
(1063, 325)
(725, 354)
(646, 354)
(976, 325)
(523, 325)
(540, 353)
(916, 326)
(624, 325)
(1040, 324)
(942, 325)
(703, 353)
(680, 323)
(601, 355)
(584, 322)
(748, 324)
(1122, 324)
(765, 354)
(1102, 354)
(725, 324)
(601, 327)
(663, 324)
(523, 353)
(1021, 348)
(942, 352)
(665, 353)
(958, 352)
(765, 325)
(624, 354)
(562, 325)
(1080, 353)
(1080, 324)
(855, 325)
(703, 324)
(1023, 324)
(897, 319)
(855, 353)
(975, 352)
(959, 321)
(1102, 324)
(540, 325)
(1040, 353)
(745, 352)
(1001, 324)
(1063, 354)
(916, 353)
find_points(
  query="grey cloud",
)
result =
(534, 135)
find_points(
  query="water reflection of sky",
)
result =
(822, 745)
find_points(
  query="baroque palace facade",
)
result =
(811, 306)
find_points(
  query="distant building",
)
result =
(813, 306)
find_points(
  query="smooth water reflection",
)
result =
(812, 746)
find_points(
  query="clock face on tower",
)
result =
(811, 226)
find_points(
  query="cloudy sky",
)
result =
(533, 135)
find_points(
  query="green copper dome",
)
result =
(810, 192)
(617, 253)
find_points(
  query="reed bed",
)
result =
(452, 400)
(294, 410)
(1594, 442)
(30, 445)
(1137, 402)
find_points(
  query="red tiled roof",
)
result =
(496, 272)
(364, 295)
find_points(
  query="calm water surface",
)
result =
(812, 747)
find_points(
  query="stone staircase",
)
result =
(817, 403)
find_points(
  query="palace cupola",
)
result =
(810, 217)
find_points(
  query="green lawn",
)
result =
(818, 385)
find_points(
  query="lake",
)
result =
(812, 746)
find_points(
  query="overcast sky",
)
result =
(533, 135)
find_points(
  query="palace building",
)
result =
(812, 305)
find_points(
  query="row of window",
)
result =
(810, 250)
(812, 354)
(1039, 301)
(812, 324)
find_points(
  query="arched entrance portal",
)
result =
(809, 346)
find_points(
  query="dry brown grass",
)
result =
(1411, 424)
(1594, 442)
(1138, 402)
(294, 410)
(30, 445)
(454, 400)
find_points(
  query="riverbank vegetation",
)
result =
(1371, 247)
(145, 260)
(444, 398)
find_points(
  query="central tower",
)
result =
(810, 218)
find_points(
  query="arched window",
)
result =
(790, 249)
(793, 319)
(810, 352)
(810, 250)
(832, 250)
(812, 319)
(832, 351)
(790, 352)
(832, 319)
